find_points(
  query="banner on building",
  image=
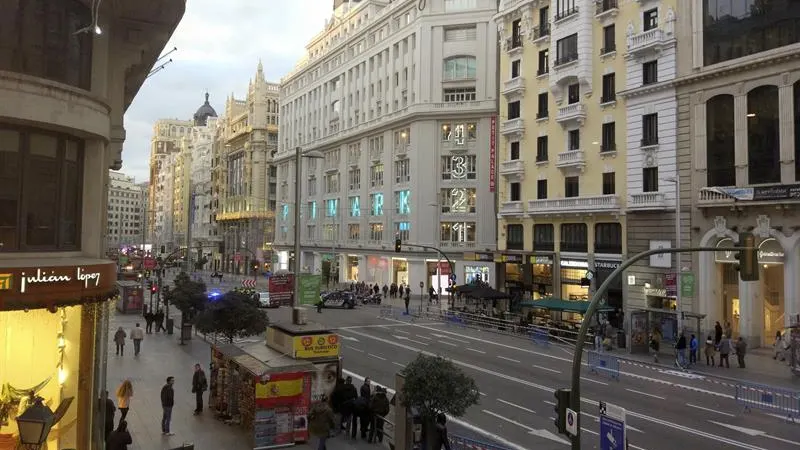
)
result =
(309, 289)
(492, 153)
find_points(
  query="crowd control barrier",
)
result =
(604, 363)
(540, 336)
(461, 443)
(453, 319)
(768, 398)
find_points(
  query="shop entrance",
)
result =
(400, 271)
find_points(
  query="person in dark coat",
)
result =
(111, 410)
(159, 321)
(717, 334)
(336, 403)
(379, 405)
(361, 413)
(348, 396)
(148, 320)
(120, 438)
(366, 389)
(442, 441)
(199, 386)
(167, 402)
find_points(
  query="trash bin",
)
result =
(620, 339)
(170, 326)
(186, 331)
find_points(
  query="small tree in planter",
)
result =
(189, 297)
(435, 385)
(235, 314)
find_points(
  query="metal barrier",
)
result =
(452, 318)
(540, 336)
(768, 398)
(462, 443)
(604, 363)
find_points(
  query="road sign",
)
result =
(249, 283)
(149, 263)
(572, 422)
(453, 277)
(612, 427)
(421, 285)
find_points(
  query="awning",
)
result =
(557, 304)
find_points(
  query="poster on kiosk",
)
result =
(282, 404)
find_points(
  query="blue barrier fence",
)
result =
(540, 336)
(462, 443)
(768, 398)
(604, 363)
(453, 319)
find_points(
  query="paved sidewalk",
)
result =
(162, 356)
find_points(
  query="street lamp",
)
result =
(34, 424)
(298, 161)
(677, 182)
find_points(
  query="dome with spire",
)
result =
(203, 113)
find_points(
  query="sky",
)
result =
(218, 50)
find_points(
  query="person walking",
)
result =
(120, 438)
(681, 348)
(321, 422)
(124, 394)
(655, 344)
(717, 333)
(693, 347)
(741, 350)
(728, 330)
(724, 351)
(119, 340)
(167, 402)
(148, 320)
(199, 385)
(710, 350)
(442, 441)
(159, 318)
(406, 300)
(137, 334)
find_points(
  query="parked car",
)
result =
(338, 299)
(265, 302)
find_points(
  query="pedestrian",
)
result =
(120, 438)
(681, 348)
(385, 290)
(119, 340)
(321, 421)
(779, 347)
(366, 389)
(148, 320)
(362, 414)
(728, 330)
(199, 385)
(693, 346)
(710, 350)
(655, 345)
(159, 319)
(137, 334)
(110, 412)
(167, 402)
(724, 351)
(717, 334)
(124, 394)
(336, 404)
(379, 405)
(741, 350)
(441, 441)
(406, 301)
(349, 395)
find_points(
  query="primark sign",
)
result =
(769, 252)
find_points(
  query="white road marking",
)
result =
(395, 325)
(549, 390)
(549, 402)
(645, 393)
(782, 418)
(423, 337)
(547, 369)
(508, 359)
(448, 343)
(516, 406)
(349, 338)
(404, 339)
(451, 338)
(594, 381)
(377, 357)
(398, 364)
(476, 351)
(354, 349)
(400, 331)
(482, 393)
(754, 432)
(541, 433)
(711, 410)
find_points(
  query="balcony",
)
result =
(354, 159)
(647, 201)
(376, 154)
(712, 196)
(454, 146)
(456, 244)
(511, 209)
(332, 166)
(512, 127)
(571, 159)
(573, 112)
(541, 32)
(649, 41)
(401, 150)
(577, 205)
(565, 59)
(565, 14)
(514, 44)
(648, 143)
(514, 86)
(513, 169)
(607, 9)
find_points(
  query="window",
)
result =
(402, 171)
(763, 136)
(573, 140)
(355, 206)
(544, 23)
(541, 149)
(376, 204)
(515, 68)
(459, 133)
(650, 19)
(543, 237)
(402, 230)
(609, 88)
(544, 62)
(515, 236)
(609, 138)
(459, 5)
(571, 187)
(609, 41)
(542, 111)
(565, 8)
(516, 36)
(541, 189)
(354, 179)
(466, 94)
(311, 232)
(649, 129)
(466, 33)
(567, 49)
(376, 175)
(312, 210)
(236, 182)
(332, 207)
(609, 183)
(574, 237)
(376, 232)
(514, 151)
(459, 68)
(39, 39)
(40, 191)
(459, 167)
(514, 192)
(650, 72)
(513, 110)
(354, 231)
(458, 232)
(402, 202)
(608, 238)
(458, 200)
(650, 179)
(332, 183)
(573, 93)
(720, 157)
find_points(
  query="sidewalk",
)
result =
(161, 357)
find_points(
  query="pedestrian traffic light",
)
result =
(153, 288)
(563, 397)
(163, 249)
(397, 245)
(149, 284)
(747, 260)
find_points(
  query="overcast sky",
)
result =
(219, 45)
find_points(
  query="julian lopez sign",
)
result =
(44, 277)
(23, 287)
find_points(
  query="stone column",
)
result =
(791, 286)
(786, 121)
(740, 138)
(751, 312)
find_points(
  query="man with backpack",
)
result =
(379, 404)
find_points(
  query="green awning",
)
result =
(557, 304)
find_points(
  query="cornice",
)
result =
(647, 89)
(706, 74)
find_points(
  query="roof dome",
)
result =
(203, 113)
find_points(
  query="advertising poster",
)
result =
(281, 287)
(301, 412)
(284, 425)
(316, 346)
(264, 429)
(309, 289)
(323, 379)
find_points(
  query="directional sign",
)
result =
(149, 263)
(572, 422)
(612, 427)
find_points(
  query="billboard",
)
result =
(281, 288)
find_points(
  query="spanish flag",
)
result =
(281, 389)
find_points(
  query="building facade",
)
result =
(402, 102)
(62, 102)
(244, 178)
(739, 153)
(143, 219)
(165, 143)
(205, 239)
(125, 210)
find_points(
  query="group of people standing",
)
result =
(721, 343)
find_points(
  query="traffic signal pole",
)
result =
(575, 396)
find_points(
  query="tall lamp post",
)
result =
(677, 182)
(298, 161)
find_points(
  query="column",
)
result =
(740, 138)
(786, 121)
(791, 287)
(417, 272)
(751, 319)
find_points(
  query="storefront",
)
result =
(351, 273)
(478, 267)
(542, 276)
(53, 330)
(439, 276)
(613, 299)
(377, 270)
(400, 271)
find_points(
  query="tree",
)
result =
(188, 296)
(235, 314)
(435, 385)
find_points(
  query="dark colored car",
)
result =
(338, 299)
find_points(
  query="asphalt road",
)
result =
(665, 409)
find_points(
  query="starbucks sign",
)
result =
(769, 252)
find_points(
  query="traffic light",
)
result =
(747, 260)
(563, 397)
(255, 266)
(153, 288)
(397, 245)
(149, 284)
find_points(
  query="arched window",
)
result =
(763, 140)
(797, 131)
(459, 68)
(720, 147)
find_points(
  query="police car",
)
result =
(338, 299)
